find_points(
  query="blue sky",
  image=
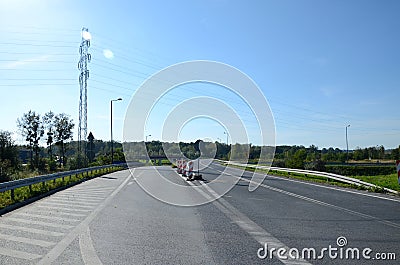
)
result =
(320, 64)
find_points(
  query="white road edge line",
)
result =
(88, 251)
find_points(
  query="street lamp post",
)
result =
(226, 137)
(347, 145)
(147, 136)
(111, 120)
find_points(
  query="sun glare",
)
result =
(108, 54)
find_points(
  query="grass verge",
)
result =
(386, 181)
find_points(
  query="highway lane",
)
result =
(228, 231)
(128, 226)
(307, 215)
(139, 229)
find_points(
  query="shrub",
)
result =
(348, 170)
(278, 163)
(52, 165)
(317, 165)
(77, 161)
(297, 160)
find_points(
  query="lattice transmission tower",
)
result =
(84, 59)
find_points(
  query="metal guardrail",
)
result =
(12, 185)
(333, 176)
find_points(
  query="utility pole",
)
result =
(84, 59)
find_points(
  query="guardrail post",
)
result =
(44, 184)
(30, 188)
(12, 195)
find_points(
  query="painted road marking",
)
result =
(99, 188)
(18, 254)
(71, 211)
(55, 218)
(256, 199)
(33, 222)
(58, 213)
(88, 252)
(25, 240)
(338, 189)
(254, 230)
(75, 202)
(82, 195)
(31, 230)
(366, 216)
(58, 249)
(79, 205)
(78, 199)
(62, 208)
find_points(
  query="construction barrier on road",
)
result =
(185, 168)
(179, 166)
(398, 170)
(189, 170)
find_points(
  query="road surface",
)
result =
(112, 220)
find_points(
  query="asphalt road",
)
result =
(112, 220)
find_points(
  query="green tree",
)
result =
(63, 132)
(395, 153)
(381, 152)
(358, 154)
(317, 165)
(31, 127)
(90, 147)
(297, 159)
(48, 122)
(8, 156)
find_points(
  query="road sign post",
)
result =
(398, 171)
